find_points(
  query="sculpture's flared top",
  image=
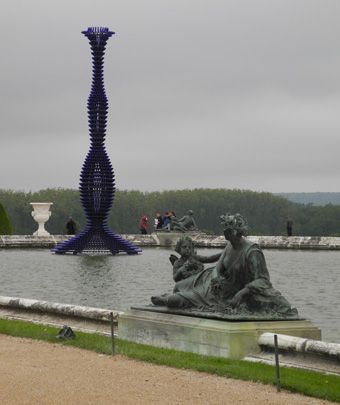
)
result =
(98, 33)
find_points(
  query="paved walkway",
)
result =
(33, 372)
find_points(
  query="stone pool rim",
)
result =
(169, 239)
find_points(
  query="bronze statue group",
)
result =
(238, 282)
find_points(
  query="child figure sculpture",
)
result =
(188, 264)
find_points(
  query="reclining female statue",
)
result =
(240, 276)
(186, 223)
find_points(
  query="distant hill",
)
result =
(313, 198)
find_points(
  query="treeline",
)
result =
(318, 198)
(266, 213)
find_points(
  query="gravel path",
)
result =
(33, 372)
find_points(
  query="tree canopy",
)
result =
(266, 213)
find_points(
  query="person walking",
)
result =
(143, 225)
(289, 227)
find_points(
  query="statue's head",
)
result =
(185, 243)
(190, 212)
(234, 225)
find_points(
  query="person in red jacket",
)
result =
(143, 225)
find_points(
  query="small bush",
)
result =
(5, 225)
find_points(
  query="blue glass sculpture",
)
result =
(97, 186)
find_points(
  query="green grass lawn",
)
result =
(295, 380)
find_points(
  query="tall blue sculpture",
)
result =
(97, 186)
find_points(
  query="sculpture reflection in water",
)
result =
(238, 284)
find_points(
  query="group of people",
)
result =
(169, 222)
(164, 221)
(160, 222)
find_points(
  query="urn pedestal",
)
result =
(41, 214)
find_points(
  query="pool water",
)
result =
(308, 279)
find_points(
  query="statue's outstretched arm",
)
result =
(209, 259)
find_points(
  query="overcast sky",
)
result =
(230, 94)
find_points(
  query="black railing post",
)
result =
(277, 364)
(112, 333)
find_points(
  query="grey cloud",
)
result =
(202, 94)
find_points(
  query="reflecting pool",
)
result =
(308, 279)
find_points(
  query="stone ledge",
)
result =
(31, 241)
(169, 239)
(57, 320)
(299, 352)
(297, 242)
(301, 345)
(25, 304)
(275, 242)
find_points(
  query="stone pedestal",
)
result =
(206, 336)
(167, 239)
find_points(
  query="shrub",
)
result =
(5, 225)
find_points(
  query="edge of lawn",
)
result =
(310, 383)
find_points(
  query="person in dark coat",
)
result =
(71, 227)
(289, 227)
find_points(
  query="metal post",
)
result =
(112, 333)
(277, 364)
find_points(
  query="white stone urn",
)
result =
(41, 214)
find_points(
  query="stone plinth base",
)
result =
(206, 336)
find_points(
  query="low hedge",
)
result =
(5, 224)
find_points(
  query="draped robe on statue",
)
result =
(235, 270)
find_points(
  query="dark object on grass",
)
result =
(66, 333)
